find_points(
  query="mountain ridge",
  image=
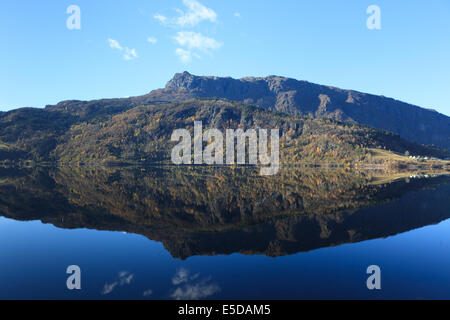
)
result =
(304, 98)
(318, 123)
(301, 98)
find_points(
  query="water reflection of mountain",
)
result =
(207, 211)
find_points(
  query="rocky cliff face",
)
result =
(318, 101)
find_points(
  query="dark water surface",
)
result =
(222, 233)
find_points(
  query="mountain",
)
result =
(308, 99)
(295, 97)
(317, 123)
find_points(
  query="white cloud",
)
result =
(184, 55)
(237, 15)
(114, 44)
(190, 43)
(128, 54)
(160, 18)
(195, 13)
(194, 40)
(152, 40)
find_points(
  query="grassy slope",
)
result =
(143, 133)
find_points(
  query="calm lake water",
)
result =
(222, 233)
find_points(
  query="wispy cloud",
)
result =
(194, 40)
(194, 43)
(184, 55)
(127, 53)
(124, 278)
(191, 44)
(160, 18)
(114, 44)
(152, 40)
(237, 15)
(130, 54)
(194, 14)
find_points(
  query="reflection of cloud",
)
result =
(196, 291)
(124, 278)
(147, 293)
(192, 291)
(108, 288)
(195, 276)
(182, 275)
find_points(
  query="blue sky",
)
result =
(127, 48)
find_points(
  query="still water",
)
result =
(222, 233)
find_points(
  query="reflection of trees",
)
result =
(203, 210)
